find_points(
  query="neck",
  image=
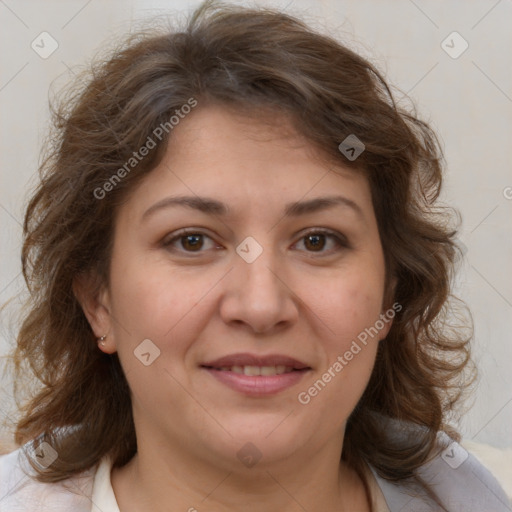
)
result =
(307, 481)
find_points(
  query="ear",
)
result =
(389, 308)
(94, 298)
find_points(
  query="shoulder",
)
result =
(453, 478)
(19, 491)
(497, 460)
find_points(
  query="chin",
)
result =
(265, 439)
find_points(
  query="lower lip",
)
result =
(262, 385)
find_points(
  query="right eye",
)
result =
(187, 240)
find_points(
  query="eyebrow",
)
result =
(214, 207)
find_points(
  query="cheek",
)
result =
(148, 297)
(351, 309)
(348, 305)
(166, 306)
(145, 304)
(348, 354)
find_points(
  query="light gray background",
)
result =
(468, 100)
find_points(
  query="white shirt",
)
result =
(460, 481)
(90, 492)
(103, 497)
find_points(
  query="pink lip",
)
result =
(259, 385)
(246, 359)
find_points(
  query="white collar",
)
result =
(104, 500)
(103, 497)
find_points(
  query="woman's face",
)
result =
(250, 327)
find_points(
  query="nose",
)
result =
(258, 296)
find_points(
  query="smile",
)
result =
(257, 370)
(254, 375)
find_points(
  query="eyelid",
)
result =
(180, 233)
(339, 238)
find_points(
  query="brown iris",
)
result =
(192, 242)
(317, 241)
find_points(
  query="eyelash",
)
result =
(340, 240)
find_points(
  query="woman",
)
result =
(240, 288)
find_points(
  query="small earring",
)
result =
(102, 340)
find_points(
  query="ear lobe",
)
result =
(389, 308)
(389, 293)
(388, 322)
(94, 299)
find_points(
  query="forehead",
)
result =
(246, 162)
(215, 132)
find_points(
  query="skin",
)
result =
(295, 300)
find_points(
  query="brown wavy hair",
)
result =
(251, 60)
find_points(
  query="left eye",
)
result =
(317, 241)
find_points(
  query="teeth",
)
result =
(268, 370)
(254, 371)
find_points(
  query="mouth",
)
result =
(257, 375)
(253, 371)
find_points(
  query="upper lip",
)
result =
(246, 359)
